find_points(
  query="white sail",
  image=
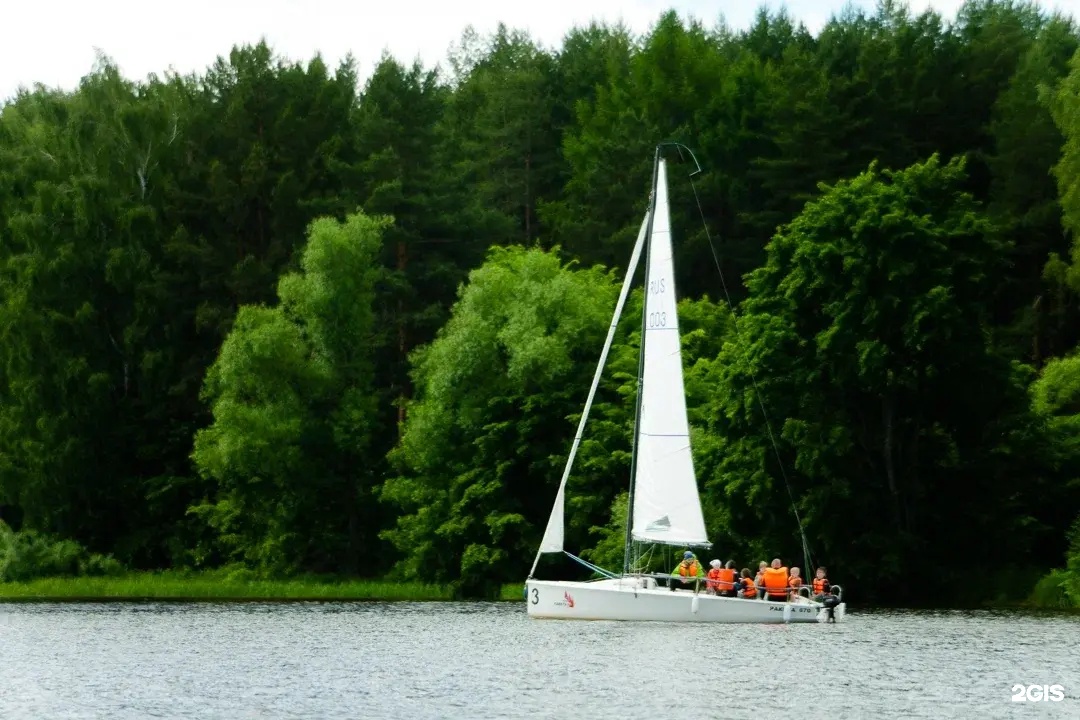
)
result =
(553, 535)
(667, 508)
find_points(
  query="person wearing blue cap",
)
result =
(687, 574)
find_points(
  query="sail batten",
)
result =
(666, 507)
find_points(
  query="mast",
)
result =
(641, 366)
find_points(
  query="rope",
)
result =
(753, 379)
(595, 568)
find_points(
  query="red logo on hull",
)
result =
(569, 599)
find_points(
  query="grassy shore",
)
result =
(189, 586)
(512, 592)
(232, 587)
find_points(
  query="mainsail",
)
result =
(666, 505)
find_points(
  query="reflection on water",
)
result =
(488, 660)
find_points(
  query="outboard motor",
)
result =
(830, 602)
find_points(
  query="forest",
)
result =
(271, 317)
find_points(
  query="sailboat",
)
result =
(665, 507)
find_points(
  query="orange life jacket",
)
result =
(748, 589)
(691, 569)
(775, 581)
(795, 582)
(820, 585)
(713, 578)
(727, 578)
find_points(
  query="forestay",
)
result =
(666, 505)
(553, 535)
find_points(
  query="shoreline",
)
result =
(219, 586)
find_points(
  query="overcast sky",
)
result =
(53, 41)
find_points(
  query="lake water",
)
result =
(488, 660)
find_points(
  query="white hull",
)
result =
(636, 598)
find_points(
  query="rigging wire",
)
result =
(753, 380)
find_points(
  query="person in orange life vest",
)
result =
(775, 580)
(712, 581)
(794, 582)
(749, 590)
(713, 578)
(686, 574)
(727, 577)
(759, 578)
(821, 585)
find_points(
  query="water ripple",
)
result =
(489, 660)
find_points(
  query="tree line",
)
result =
(263, 315)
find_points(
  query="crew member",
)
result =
(775, 580)
(688, 573)
(820, 584)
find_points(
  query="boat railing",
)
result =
(803, 590)
(703, 584)
(834, 589)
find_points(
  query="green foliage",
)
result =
(481, 444)
(866, 337)
(1066, 110)
(134, 219)
(611, 543)
(1055, 399)
(292, 397)
(1071, 581)
(27, 555)
(1060, 588)
(222, 584)
(1055, 396)
(1057, 391)
(1063, 275)
(1049, 591)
